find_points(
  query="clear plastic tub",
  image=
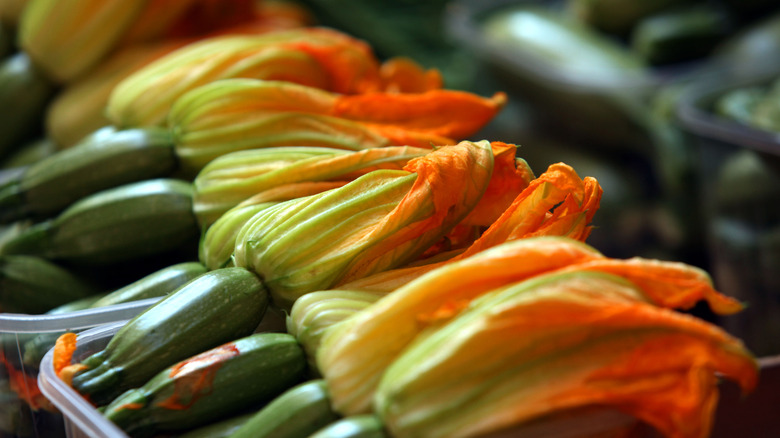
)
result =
(82, 420)
(739, 169)
(24, 339)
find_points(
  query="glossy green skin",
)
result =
(115, 225)
(101, 161)
(220, 429)
(215, 308)
(266, 365)
(299, 412)
(359, 426)
(156, 284)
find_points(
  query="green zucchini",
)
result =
(119, 224)
(101, 161)
(299, 412)
(250, 371)
(617, 16)
(358, 426)
(567, 46)
(217, 307)
(681, 34)
(34, 285)
(24, 94)
(156, 284)
(219, 429)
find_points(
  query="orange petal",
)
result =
(63, 351)
(440, 113)
(402, 75)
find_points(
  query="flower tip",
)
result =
(499, 99)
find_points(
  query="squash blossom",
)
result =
(232, 178)
(313, 313)
(238, 114)
(555, 343)
(217, 244)
(315, 57)
(353, 362)
(67, 39)
(557, 203)
(381, 220)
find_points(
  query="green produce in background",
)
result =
(617, 16)
(211, 385)
(571, 48)
(30, 284)
(680, 34)
(217, 307)
(24, 94)
(120, 224)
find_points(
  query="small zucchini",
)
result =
(211, 385)
(215, 308)
(299, 412)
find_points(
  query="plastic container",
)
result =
(81, 418)
(24, 339)
(606, 108)
(739, 170)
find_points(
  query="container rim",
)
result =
(695, 116)
(81, 319)
(461, 23)
(73, 406)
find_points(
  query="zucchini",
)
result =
(24, 94)
(34, 285)
(617, 16)
(115, 225)
(101, 161)
(211, 385)
(358, 426)
(680, 35)
(215, 308)
(299, 412)
(156, 284)
(219, 429)
(568, 47)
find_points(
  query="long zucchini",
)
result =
(358, 426)
(215, 308)
(299, 412)
(120, 224)
(104, 160)
(211, 385)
